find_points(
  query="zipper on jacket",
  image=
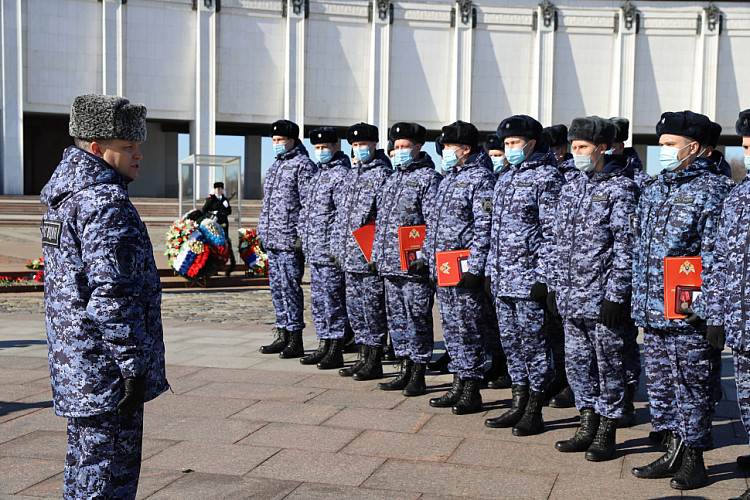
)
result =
(648, 252)
(383, 238)
(573, 236)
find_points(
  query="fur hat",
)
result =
(519, 126)
(556, 135)
(408, 130)
(685, 123)
(460, 133)
(494, 142)
(622, 128)
(713, 136)
(592, 129)
(218, 185)
(742, 127)
(284, 128)
(324, 135)
(362, 132)
(94, 116)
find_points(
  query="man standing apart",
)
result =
(102, 298)
(284, 195)
(677, 216)
(218, 204)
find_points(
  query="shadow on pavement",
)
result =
(7, 408)
(10, 344)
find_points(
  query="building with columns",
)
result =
(231, 67)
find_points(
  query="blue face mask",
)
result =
(402, 157)
(498, 164)
(609, 152)
(515, 156)
(323, 155)
(449, 158)
(362, 153)
(583, 162)
(279, 149)
(746, 159)
(668, 157)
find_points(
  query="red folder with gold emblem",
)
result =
(682, 285)
(365, 236)
(451, 266)
(410, 241)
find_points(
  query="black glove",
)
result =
(298, 246)
(335, 261)
(539, 292)
(135, 392)
(470, 281)
(612, 314)
(260, 246)
(372, 267)
(715, 336)
(552, 304)
(418, 266)
(488, 287)
(693, 319)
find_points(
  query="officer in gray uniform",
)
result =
(284, 195)
(590, 282)
(102, 298)
(461, 221)
(677, 216)
(407, 199)
(325, 199)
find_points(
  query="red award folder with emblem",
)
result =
(451, 266)
(410, 240)
(682, 285)
(365, 236)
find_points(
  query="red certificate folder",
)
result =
(682, 284)
(451, 266)
(365, 236)
(410, 240)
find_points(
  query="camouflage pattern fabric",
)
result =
(408, 306)
(328, 301)
(461, 312)
(365, 307)
(742, 379)
(285, 270)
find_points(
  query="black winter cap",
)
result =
(519, 126)
(285, 128)
(622, 127)
(324, 135)
(713, 136)
(218, 185)
(362, 132)
(592, 129)
(556, 135)
(408, 130)
(685, 123)
(494, 142)
(742, 127)
(460, 132)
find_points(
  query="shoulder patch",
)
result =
(287, 167)
(51, 230)
(599, 197)
(487, 205)
(683, 200)
(126, 259)
(524, 184)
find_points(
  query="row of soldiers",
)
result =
(557, 242)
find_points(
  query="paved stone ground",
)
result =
(243, 425)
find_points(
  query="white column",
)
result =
(623, 69)
(706, 65)
(380, 61)
(543, 70)
(11, 127)
(111, 26)
(205, 80)
(294, 67)
(463, 45)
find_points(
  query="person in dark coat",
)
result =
(218, 204)
(102, 298)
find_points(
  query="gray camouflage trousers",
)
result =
(104, 456)
(285, 270)
(328, 301)
(742, 379)
(632, 356)
(461, 314)
(365, 306)
(682, 377)
(524, 336)
(594, 365)
(408, 306)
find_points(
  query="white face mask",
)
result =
(584, 163)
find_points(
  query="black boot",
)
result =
(318, 354)
(294, 349)
(517, 408)
(440, 364)
(398, 383)
(389, 354)
(603, 446)
(350, 345)
(498, 368)
(334, 358)
(563, 399)
(452, 396)
(373, 367)
(470, 400)
(743, 461)
(692, 474)
(628, 417)
(416, 385)
(531, 423)
(585, 434)
(364, 351)
(278, 345)
(559, 383)
(668, 464)
(502, 382)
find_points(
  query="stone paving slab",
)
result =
(301, 437)
(211, 457)
(293, 413)
(311, 491)
(179, 428)
(381, 420)
(198, 485)
(256, 392)
(19, 473)
(405, 446)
